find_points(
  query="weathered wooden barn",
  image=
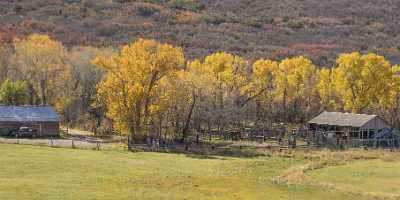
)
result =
(43, 119)
(348, 125)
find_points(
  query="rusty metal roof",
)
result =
(28, 114)
(342, 119)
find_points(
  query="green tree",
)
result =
(13, 93)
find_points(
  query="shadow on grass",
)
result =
(200, 156)
(206, 151)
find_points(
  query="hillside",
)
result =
(319, 29)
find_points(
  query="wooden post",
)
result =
(187, 146)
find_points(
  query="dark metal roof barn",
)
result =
(43, 119)
(28, 114)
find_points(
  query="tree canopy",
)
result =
(13, 93)
(148, 89)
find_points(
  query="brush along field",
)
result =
(32, 172)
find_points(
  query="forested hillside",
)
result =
(319, 29)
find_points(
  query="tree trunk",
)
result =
(147, 99)
(258, 112)
(32, 94)
(43, 92)
(188, 118)
(131, 136)
(284, 104)
(136, 126)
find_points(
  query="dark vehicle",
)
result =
(24, 132)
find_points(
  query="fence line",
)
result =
(62, 143)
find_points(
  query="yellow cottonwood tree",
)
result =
(295, 81)
(180, 94)
(228, 80)
(391, 101)
(132, 78)
(225, 70)
(362, 80)
(41, 62)
(326, 89)
(262, 87)
(263, 76)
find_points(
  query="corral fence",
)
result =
(371, 143)
(61, 143)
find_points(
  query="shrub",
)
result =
(18, 8)
(258, 22)
(184, 18)
(105, 130)
(147, 10)
(185, 5)
(214, 19)
(253, 22)
(285, 19)
(295, 25)
(107, 30)
(155, 1)
(269, 20)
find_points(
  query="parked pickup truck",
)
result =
(24, 132)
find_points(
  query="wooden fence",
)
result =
(63, 143)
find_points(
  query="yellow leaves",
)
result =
(362, 80)
(131, 88)
(223, 67)
(326, 88)
(148, 78)
(42, 62)
(149, 56)
(40, 46)
(226, 70)
(263, 77)
(219, 62)
(295, 78)
(264, 68)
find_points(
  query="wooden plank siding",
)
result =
(49, 129)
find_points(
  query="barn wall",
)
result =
(377, 123)
(51, 129)
(44, 128)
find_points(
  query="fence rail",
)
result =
(62, 143)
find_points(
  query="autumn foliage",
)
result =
(149, 89)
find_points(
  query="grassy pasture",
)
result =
(31, 172)
(378, 177)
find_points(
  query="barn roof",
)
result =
(342, 119)
(28, 114)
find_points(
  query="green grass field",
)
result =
(29, 172)
(372, 176)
